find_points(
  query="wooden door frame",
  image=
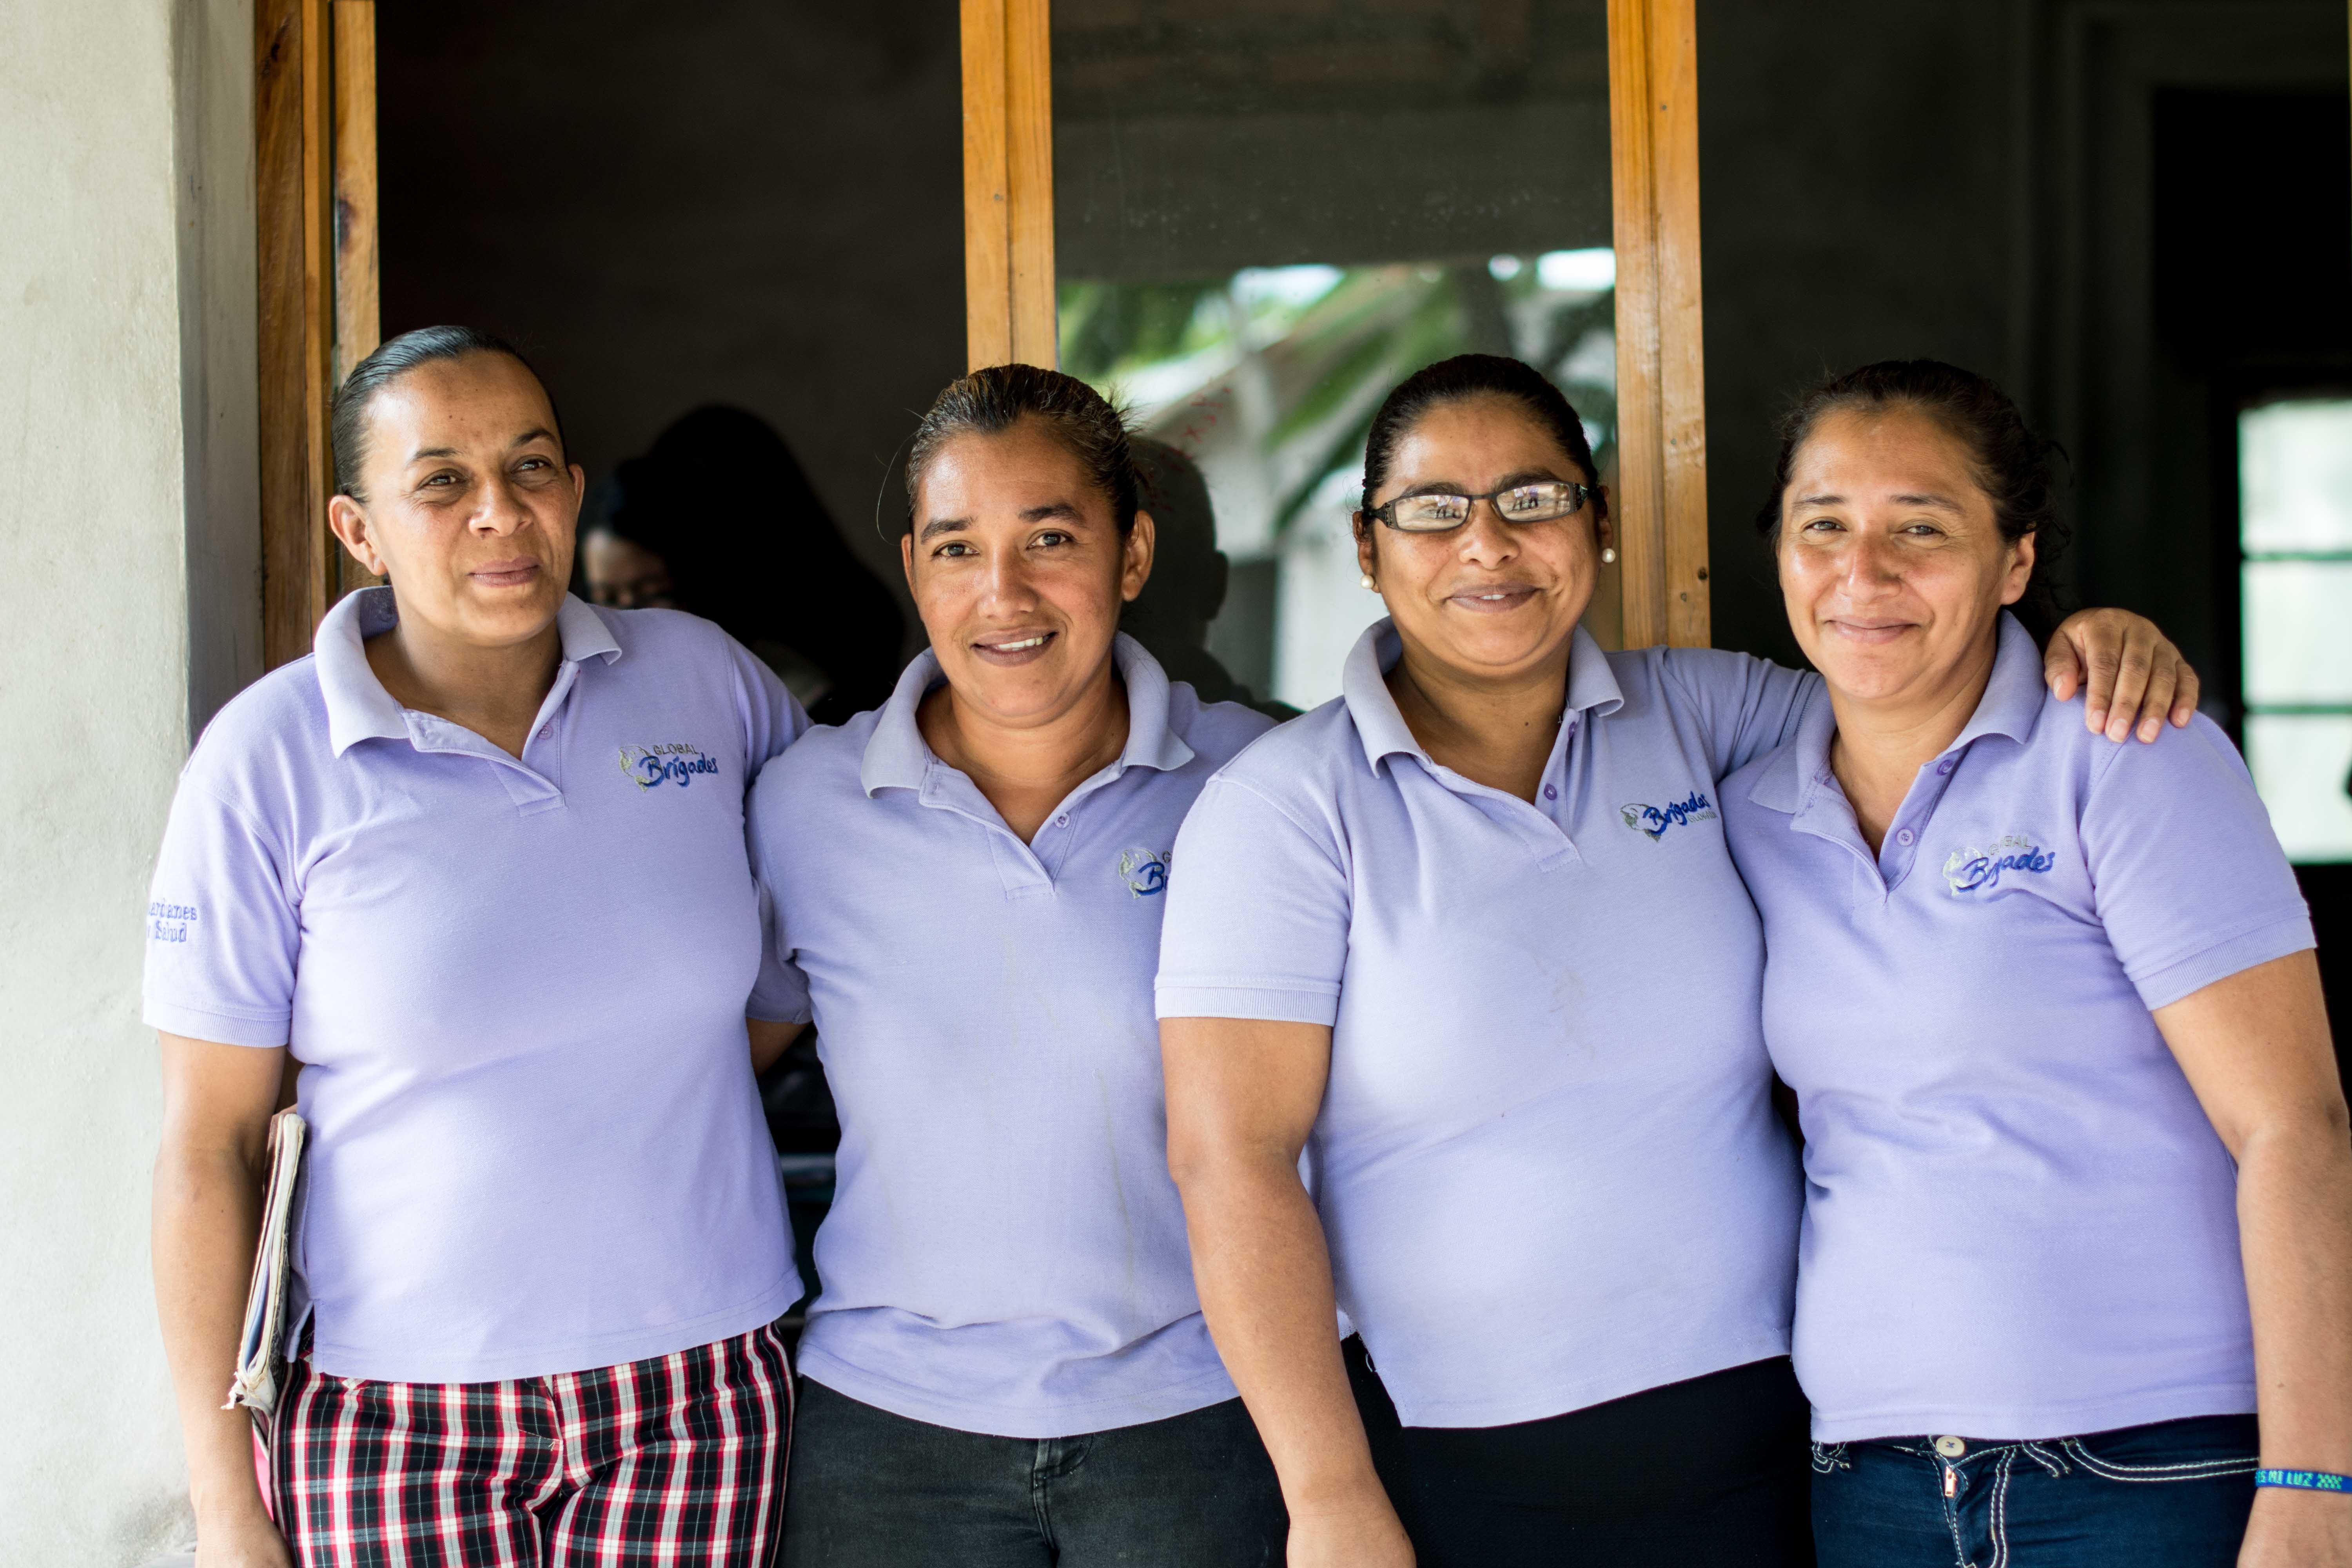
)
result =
(1660, 497)
(315, 210)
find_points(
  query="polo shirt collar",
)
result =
(1591, 684)
(898, 757)
(359, 708)
(2012, 706)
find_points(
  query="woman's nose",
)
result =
(1486, 539)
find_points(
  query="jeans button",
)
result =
(1951, 1447)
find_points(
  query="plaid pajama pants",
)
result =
(675, 1461)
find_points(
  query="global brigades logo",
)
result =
(1655, 821)
(670, 763)
(1969, 871)
(1145, 871)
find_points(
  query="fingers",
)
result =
(2062, 668)
(2157, 704)
(2185, 696)
(2131, 678)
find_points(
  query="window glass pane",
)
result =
(2294, 477)
(2301, 762)
(2298, 636)
(1266, 215)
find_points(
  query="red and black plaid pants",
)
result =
(675, 1461)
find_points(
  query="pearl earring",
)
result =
(1371, 586)
(1608, 555)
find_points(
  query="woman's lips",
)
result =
(1016, 648)
(505, 574)
(1870, 631)
(1492, 600)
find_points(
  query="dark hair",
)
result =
(347, 419)
(1466, 376)
(748, 542)
(992, 401)
(2010, 462)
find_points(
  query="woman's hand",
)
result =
(1363, 1533)
(2129, 672)
(2296, 1530)
(247, 1541)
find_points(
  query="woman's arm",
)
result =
(2131, 674)
(210, 1175)
(1242, 1097)
(2255, 1048)
(770, 1041)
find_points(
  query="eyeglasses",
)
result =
(1546, 501)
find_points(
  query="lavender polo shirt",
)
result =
(1547, 1160)
(1006, 1252)
(2019, 1223)
(517, 990)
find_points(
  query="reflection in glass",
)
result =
(2294, 464)
(1266, 216)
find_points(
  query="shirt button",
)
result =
(1063, 820)
(1551, 792)
(1905, 838)
(545, 731)
(1946, 766)
(1951, 1447)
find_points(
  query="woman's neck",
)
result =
(1028, 770)
(1880, 745)
(1497, 733)
(493, 692)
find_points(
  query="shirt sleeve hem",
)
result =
(2272, 938)
(761, 1010)
(1266, 1004)
(262, 1033)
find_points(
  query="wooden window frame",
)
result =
(314, 116)
(1661, 499)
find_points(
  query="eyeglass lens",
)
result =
(1521, 503)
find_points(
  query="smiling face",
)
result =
(1892, 563)
(468, 506)
(1018, 569)
(1490, 601)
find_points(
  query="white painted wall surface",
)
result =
(126, 279)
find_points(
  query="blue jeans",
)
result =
(2175, 1493)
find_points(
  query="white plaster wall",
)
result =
(125, 196)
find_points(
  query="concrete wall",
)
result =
(128, 194)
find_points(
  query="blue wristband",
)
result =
(2303, 1480)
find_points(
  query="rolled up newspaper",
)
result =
(261, 1349)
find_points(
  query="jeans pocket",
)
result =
(2199, 1450)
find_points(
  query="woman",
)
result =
(1468, 936)
(718, 518)
(2035, 996)
(477, 868)
(1006, 1364)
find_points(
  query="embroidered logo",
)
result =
(650, 767)
(1980, 870)
(1145, 871)
(169, 922)
(1654, 820)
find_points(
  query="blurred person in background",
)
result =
(718, 518)
(1189, 576)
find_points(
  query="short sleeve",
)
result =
(223, 934)
(2186, 871)
(774, 718)
(1257, 925)
(780, 995)
(1748, 705)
